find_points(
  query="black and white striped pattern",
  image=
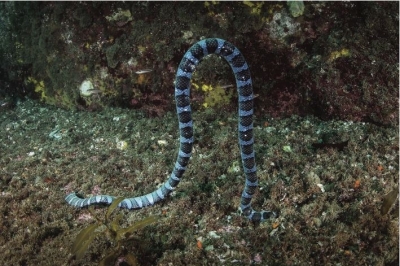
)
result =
(182, 96)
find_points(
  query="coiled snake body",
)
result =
(182, 96)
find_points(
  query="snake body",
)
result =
(182, 97)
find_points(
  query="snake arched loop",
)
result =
(182, 96)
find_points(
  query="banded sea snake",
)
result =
(182, 96)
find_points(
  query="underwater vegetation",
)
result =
(388, 201)
(117, 235)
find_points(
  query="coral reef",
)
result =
(305, 59)
(328, 71)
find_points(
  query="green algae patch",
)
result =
(114, 232)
